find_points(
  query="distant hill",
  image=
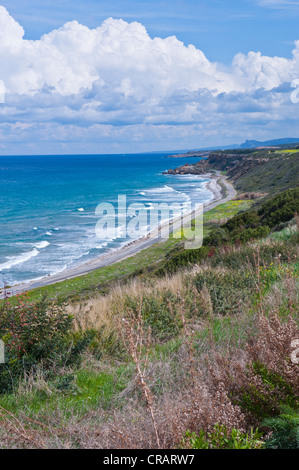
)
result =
(251, 170)
(248, 144)
(276, 142)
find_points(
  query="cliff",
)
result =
(262, 170)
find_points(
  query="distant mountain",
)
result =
(255, 143)
(248, 144)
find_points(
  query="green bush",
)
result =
(159, 313)
(183, 259)
(221, 438)
(246, 255)
(33, 330)
(251, 234)
(106, 342)
(250, 225)
(281, 208)
(265, 401)
(258, 223)
(218, 237)
(228, 290)
(284, 430)
(249, 219)
(36, 335)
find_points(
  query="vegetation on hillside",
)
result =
(254, 170)
(252, 224)
(199, 354)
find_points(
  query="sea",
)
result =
(48, 203)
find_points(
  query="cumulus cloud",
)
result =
(75, 79)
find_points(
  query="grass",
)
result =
(225, 211)
(286, 151)
(275, 175)
(229, 330)
(219, 214)
(73, 393)
(77, 403)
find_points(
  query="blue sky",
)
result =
(100, 85)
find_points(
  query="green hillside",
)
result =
(173, 348)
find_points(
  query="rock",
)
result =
(186, 169)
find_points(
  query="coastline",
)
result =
(133, 247)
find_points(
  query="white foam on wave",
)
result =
(81, 209)
(42, 244)
(49, 234)
(13, 261)
(103, 245)
(59, 270)
(176, 194)
(81, 255)
(161, 190)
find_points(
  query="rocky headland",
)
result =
(235, 164)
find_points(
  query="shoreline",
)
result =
(131, 248)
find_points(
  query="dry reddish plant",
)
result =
(272, 347)
(138, 343)
(269, 350)
(256, 276)
(211, 397)
(20, 432)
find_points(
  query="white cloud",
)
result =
(115, 53)
(75, 78)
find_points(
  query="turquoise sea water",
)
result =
(47, 206)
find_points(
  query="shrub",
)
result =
(285, 430)
(36, 334)
(281, 208)
(240, 229)
(263, 378)
(216, 238)
(221, 438)
(240, 257)
(106, 342)
(265, 392)
(228, 290)
(158, 312)
(183, 259)
(249, 219)
(251, 234)
(33, 330)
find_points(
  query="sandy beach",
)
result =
(133, 247)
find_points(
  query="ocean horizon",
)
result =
(47, 206)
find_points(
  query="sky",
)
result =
(135, 76)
